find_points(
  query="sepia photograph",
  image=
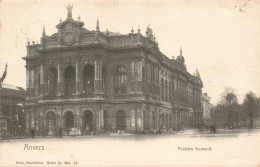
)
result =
(129, 83)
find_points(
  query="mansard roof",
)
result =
(12, 91)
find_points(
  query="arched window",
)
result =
(120, 80)
(70, 81)
(162, 89)
(52, 81)
(88, 79)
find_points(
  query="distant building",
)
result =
(91, 81)
(12, 102)
(206, 106)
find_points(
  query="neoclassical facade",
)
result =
(92, 81)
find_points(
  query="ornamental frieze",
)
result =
(88, 39)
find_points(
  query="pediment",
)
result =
(70, 23)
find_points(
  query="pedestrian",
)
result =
(60, 132)
(32, 132)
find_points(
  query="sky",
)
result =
(219, 38)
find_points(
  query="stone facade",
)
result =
(93, 82)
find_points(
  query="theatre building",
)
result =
(89, 81)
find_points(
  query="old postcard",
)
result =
(129, 83)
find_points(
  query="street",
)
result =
(187, 148)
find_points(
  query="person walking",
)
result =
(32, 132)
(60, 132)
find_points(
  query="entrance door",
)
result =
(87, 123)
(106, 120)
(120, 120)
(69, 120)
(50, 122)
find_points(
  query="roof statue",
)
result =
(132, 30)
(97, 26)
(197, 73)
(139, 29)
(69, 8)
(180, 58)
(43, 32)
(149, 32)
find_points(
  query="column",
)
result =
(158, 117)
(132, 83)
(101, 119)
(59, 81)
(77, 119)
(133, 119)
(32, 83)
(27, 82)
(41, 81)
(33, 119)
(140, 121)
(179, 119)
(27, 120)
(41, 121)
(139, 76)
(77, 79)
(37, 123)
(98, 77)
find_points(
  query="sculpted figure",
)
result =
(69, 8)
